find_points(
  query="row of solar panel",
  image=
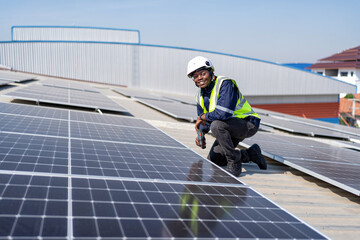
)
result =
(335, 165)
(7, 77)
(66, 93)
(182, 107)
(76, 180)
(179, 107)
(326, 163)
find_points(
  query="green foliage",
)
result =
(349, 96)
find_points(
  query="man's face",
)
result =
(202, 78)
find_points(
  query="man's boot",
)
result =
(234, 168)
(255, 156)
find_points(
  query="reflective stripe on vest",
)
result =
(242, 109)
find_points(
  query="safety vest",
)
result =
(242, 109)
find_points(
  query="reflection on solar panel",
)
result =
(66, 96)
(62, 186)
(175, 109)
(337, 166)
(52, 82)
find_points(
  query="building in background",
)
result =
(116, 56)
(350, 110)
(344, 66)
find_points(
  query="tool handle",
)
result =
(201, 138)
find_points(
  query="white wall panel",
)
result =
(43, 33)
(161, 68)
(105, 63)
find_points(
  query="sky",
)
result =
(281, 31)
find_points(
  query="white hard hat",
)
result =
(197, 63)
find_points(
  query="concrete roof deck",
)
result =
(332, 211)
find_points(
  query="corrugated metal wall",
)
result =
(160, 68)
(43, 33)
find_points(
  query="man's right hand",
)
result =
(198, 144)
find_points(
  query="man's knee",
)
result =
(217, 126)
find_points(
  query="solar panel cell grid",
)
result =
(31, 206)
(121, 204)
(33, 153)
(149, 162)
(109, 119)
(31, 125)
(121, 134)
(33, 111)
(122, 190)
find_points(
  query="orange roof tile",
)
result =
(349, 58)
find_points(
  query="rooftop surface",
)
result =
(330, 210)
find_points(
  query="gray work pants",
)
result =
(228, 134)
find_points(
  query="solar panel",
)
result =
(52, 82)
(104, 208)
(33, 206)
(62, 187)
(31, 125)
(64, 96)
(34, 111)
(141, 161)
(175, 109)
(5, 82)
(29, 153)
(115, 133)
(300, 128)
(180, 98)
(334, 165)
(109, 119)
(351, 131)
(16, 76)
(134, 92)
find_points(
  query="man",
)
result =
(223, 109)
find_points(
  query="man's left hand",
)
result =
(200, 120)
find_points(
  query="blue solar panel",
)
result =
(83, 184)
(334, 165)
